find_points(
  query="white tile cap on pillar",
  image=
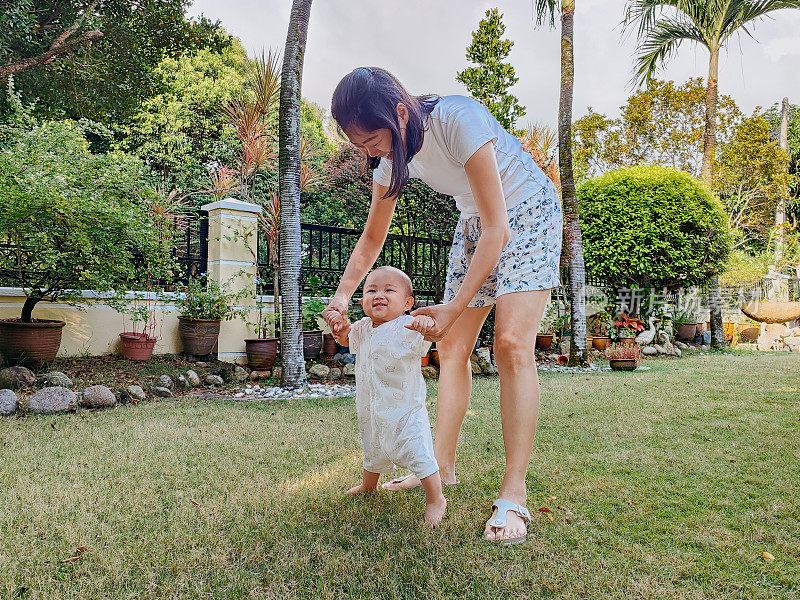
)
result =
(232, 204)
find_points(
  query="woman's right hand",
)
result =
(335, 314)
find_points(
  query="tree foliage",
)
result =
(662, 125)
(488, 82)
(74, 220)
(773, 117)
(344, 198)
(751, 177)
(652, 227)
(181, 130)
(108, 76)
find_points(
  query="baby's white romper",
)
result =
(390, 397)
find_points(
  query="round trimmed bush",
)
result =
(652, 227)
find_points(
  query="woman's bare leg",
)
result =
(455, 387)
(516, 323)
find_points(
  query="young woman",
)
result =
(505, 253)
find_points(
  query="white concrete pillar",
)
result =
(233, 263)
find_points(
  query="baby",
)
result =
(390, 390)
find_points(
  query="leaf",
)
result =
(544, 509)
(193, 501)
(768, 557)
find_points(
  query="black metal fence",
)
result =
(191, 246)
(325, 251)
(190, 254)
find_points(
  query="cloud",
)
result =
(424, 42)
(780, 48)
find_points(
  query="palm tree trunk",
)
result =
(578, 354)
(709, 149)
(294, 366)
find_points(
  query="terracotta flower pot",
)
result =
(328, 344)
(621, 364)
(199, 336)
(601, 342)
(312, 344)
(261, 353)
(33, 343)
(136, 346)
(544, 341)
(688, 331)
(627, 341)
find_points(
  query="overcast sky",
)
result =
(423, 43)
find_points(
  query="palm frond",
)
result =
(739, 12)
(264, 79)
(663, 39)
(545, 11)
(648, 13)
(311, 175)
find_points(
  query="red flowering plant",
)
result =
(620, 352)
(623, 321)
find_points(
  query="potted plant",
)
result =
(600, 325)
(312, 329)
(262, 349)
(624, 358)
(686, 325)
(433, 354)
(631, 324)
(136, 343)
(561, 326)
(203, 305)
(70, 220)
(544, 339)
(626, 337)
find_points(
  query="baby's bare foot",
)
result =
(402, 483)
(434, 511)
(361, 489)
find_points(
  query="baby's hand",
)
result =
(422, 324)
(336, 321)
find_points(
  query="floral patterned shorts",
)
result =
(530, 260)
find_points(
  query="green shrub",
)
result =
(742, 268)
(73, 220)
(204, 298)
(652, 227)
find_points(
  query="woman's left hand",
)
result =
(444, 315)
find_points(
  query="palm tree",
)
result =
(663, 26)
(294, 367)
(546, 10)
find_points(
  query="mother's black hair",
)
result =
(367, 98)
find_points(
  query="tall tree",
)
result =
(488, 82)
(751, 175)
(546, 10)
(662, 125)
(780, 209)
(663, 25)
(19, 46)
(90, 59)
(294, 366)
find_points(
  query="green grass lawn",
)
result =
(668, 483)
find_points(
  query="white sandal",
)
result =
(501, 519)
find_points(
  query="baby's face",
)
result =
(386, 296)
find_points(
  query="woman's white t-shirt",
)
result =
(455, 129)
